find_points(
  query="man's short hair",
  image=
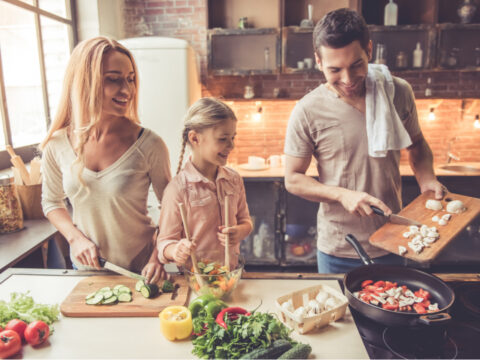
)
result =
(339, 28)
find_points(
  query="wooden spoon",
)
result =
(192, 254)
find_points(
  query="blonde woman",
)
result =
(98, 156)
(202, 185)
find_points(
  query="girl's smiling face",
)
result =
(212, 146)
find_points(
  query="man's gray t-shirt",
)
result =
(334, 132)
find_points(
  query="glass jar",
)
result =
(401, 61)
(11, 216)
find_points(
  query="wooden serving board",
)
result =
(74, 304)
(390, 236)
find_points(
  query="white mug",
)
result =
(300, 64)
(274, 160)
(308, 62)
(256, 162)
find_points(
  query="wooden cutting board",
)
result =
(390, 236)
(74, 304)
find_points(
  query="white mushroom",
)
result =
(407, 234)
(447, 217)
(433, 205)
(331, 303)
(435, 218)
(314, 307)
(299, 314)
(455, 207)
(288, 306)
(414, 229)
(442, 222)
(322, 297)
(402, 250)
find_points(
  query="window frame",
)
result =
(28, 152)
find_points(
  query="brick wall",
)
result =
(187, 19)
(453, 123)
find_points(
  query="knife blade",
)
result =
(119, 270)
(394, 218)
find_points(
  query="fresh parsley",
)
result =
(242, 335)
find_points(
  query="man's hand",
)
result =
(436, 186)
(234, 236)
(85, 251)
(358, 203)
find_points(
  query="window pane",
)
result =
(57, 7)
(56, 49)
(2, 134)
(21, 71)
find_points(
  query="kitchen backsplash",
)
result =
(263, 133)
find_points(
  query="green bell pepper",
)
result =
(209, 303)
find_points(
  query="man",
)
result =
(357, 152)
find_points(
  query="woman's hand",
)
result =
(153, 271)
(358, 203)
(233, 233)
(85, 251)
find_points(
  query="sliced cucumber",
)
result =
(124, 297)
(111, 300)
(124, 289)
(108, 296)
(96, 300)
(139, 285)
(91, 295)
(149, 290)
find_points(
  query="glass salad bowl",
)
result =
(213, 277)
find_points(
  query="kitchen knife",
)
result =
(395, 219)
(119, 270)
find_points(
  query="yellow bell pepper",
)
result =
(176, 322)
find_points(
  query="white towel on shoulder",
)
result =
(385, 130)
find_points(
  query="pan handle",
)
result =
(359, 249)
(434, 319)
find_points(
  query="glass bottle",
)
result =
(466, 11)
(266, 60)
(381, 54)
(391, 14)
(11, 216)
(417, 56)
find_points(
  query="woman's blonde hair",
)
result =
(203, 114)
(81, 100)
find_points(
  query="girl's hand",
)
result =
(85, 251)
(234, 236)
(154, 271)
(182, 251)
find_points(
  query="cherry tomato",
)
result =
(18, 326)
(36, 332)
(10, 343)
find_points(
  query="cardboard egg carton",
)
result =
(301, 298)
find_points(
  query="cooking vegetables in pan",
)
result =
(390, 296)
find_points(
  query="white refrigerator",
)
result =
(169, 84)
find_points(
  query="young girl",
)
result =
(202, 185)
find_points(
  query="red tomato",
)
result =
(380, 283)
(366, 282)
(10, 343)
(389, 306)
(18, 326)
(419, 308)
(36, 332)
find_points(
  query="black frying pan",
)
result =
(412, 278)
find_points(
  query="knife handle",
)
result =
(377, 210)
(101, 261)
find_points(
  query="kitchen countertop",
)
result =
(405, 170)
(136, 337)
(17, 245)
